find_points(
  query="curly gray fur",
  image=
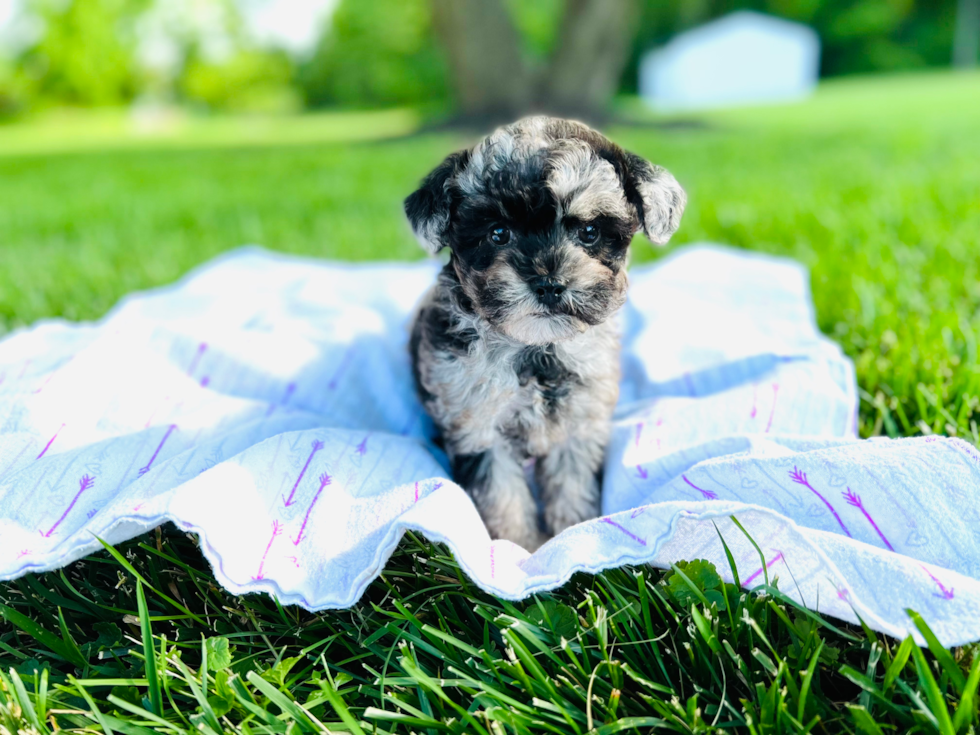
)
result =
(514, 350)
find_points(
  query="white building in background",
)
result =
(741, 58)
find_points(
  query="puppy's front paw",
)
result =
(578, 501)
(522, 531)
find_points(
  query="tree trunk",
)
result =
(483, 48)
(493, 80)
(594, 45)
(966, 41)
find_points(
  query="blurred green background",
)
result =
(212, 55)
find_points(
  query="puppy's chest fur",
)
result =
(480, 387)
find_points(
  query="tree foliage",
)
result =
(376, 53)
(86, 54)
(248, 80)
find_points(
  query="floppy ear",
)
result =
(428, 208)
(661, 200)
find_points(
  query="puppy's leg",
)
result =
(569, 481)
(495, 480)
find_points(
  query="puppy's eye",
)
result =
(500, 236)
(588, 234)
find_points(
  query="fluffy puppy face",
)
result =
(538, 218)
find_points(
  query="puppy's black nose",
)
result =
(548, 290)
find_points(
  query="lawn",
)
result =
(873, 183)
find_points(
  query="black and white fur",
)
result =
(514, 352)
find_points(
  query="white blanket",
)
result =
(266, 404)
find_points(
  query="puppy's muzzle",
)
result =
(549, 290)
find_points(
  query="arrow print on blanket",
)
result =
(629, 533)
(325, 480)
(317, 446)
(944, 592)
(84, 484)
(854, 500)
(276, 532)
(707, 494)
(800, 479)
(170, 430)
(201, 349)
(50, 442)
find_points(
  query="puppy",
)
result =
(514, 351)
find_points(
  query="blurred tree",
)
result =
(14, 91)
(966, 42)
(199, 38)
(495, 58)
(248, 80)
(376, 53)
(495, 78)
(86, 54)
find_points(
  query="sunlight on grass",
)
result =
(937, 99)
(67, 131)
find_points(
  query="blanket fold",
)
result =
(266, 404)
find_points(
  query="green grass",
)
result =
(874, 184)
(72, 131)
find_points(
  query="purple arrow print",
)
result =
(317, 446)
(708, 494)
(800, 479)
(170, 430)
(853, 499)
(276, 531)
(325, 480)
(624, 530)
(201, 349)
(84, 484)
(945, 592)
(50, 442)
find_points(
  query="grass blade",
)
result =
(149, 652)
(299, 713)
(139, 577)
(762, 557)
(898, 662)
(337, 702)
(966, 709)
(944, 657)
(26, 706)
(35, 631)
(937, 702)
(96, 713)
